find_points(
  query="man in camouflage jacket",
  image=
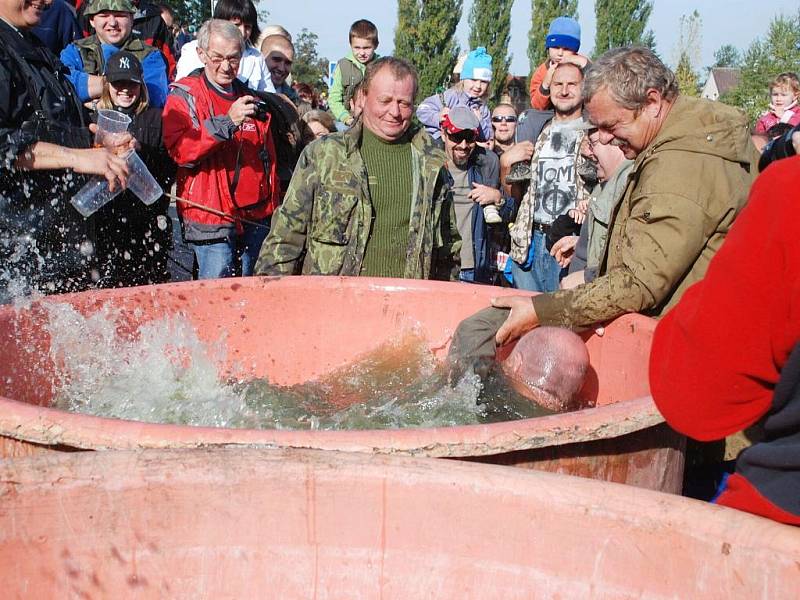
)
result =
(327, 217)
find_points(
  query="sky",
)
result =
(736, 22)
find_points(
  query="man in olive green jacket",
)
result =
(373, 200)
(693, 166)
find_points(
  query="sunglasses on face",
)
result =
(504, 119)
(467, 135)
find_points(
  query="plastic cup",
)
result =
(110, 125)
(93, 196)
(141, 182)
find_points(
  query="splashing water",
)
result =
(166, 374)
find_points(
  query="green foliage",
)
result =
(308, 66)
(543, 12)
(192, 12)
(686, 77)
(425, 35)
(727, 56)
(622, 23)
(762, 61)
(490, 27)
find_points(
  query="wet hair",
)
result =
(399, 67)
(243, 10)
(786, 80)
(222, 28)
(627, 74)
(366, 30)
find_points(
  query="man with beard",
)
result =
(552, 147)
(474, 175)
(44, 242)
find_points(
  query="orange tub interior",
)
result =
(238, 523)
(294, 329)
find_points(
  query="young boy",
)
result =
(350, 70)
(562, 42)
(278, 53)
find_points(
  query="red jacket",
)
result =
(717, 357)
(209, 150)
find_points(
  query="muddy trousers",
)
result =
(473, 341)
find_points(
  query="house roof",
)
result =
(727, 78)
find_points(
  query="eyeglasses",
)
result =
(216, 60)
(504, 119)
(467, 134)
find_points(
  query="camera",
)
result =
(262, 110)
(778, 149)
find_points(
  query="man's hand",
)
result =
(521, 319)
(483, 195)
(522, 151)
(573, 280)
(564, 249)
(241, 109)
(118, 143)
(101, 161)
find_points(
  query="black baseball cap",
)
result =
(123, 66)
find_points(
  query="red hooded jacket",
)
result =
(226, 168)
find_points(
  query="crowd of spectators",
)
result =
(612, 193)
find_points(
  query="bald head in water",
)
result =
(548, 366)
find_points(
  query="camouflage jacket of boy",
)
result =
(324, 223)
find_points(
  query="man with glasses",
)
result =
(475, 179)
(504, 124)
(220, 139)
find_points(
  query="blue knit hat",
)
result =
(478, 65)
(565, 32)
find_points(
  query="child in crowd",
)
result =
(784, 92)
(133, 240)
(471, 91)
(350, 70)
(562, 42)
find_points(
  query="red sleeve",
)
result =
(186, 135)
(538, 100)
(717, 355)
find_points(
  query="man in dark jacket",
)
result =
(44, 242)
(475, 178)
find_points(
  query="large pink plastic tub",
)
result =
(297, 328)
(290, 524)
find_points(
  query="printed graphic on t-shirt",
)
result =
(556, 187)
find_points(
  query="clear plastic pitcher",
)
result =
(111, 124)
(141, 182)
(93, 196)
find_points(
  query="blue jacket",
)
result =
(154, 68)
(58, 27)
(484, 168)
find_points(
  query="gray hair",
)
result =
(224, 29)
(400, 69)
(626, 74)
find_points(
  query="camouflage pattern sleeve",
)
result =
(286, 243)
(446, 259)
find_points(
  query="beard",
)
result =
(588, 172)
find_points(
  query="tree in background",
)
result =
(727, 56)
(543, 12)
(688, 52)
(308, 66)
(490, 27)
(425, 35)
(192, 12)
(622, 23)
(762, 61)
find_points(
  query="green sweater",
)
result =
(390, 187)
